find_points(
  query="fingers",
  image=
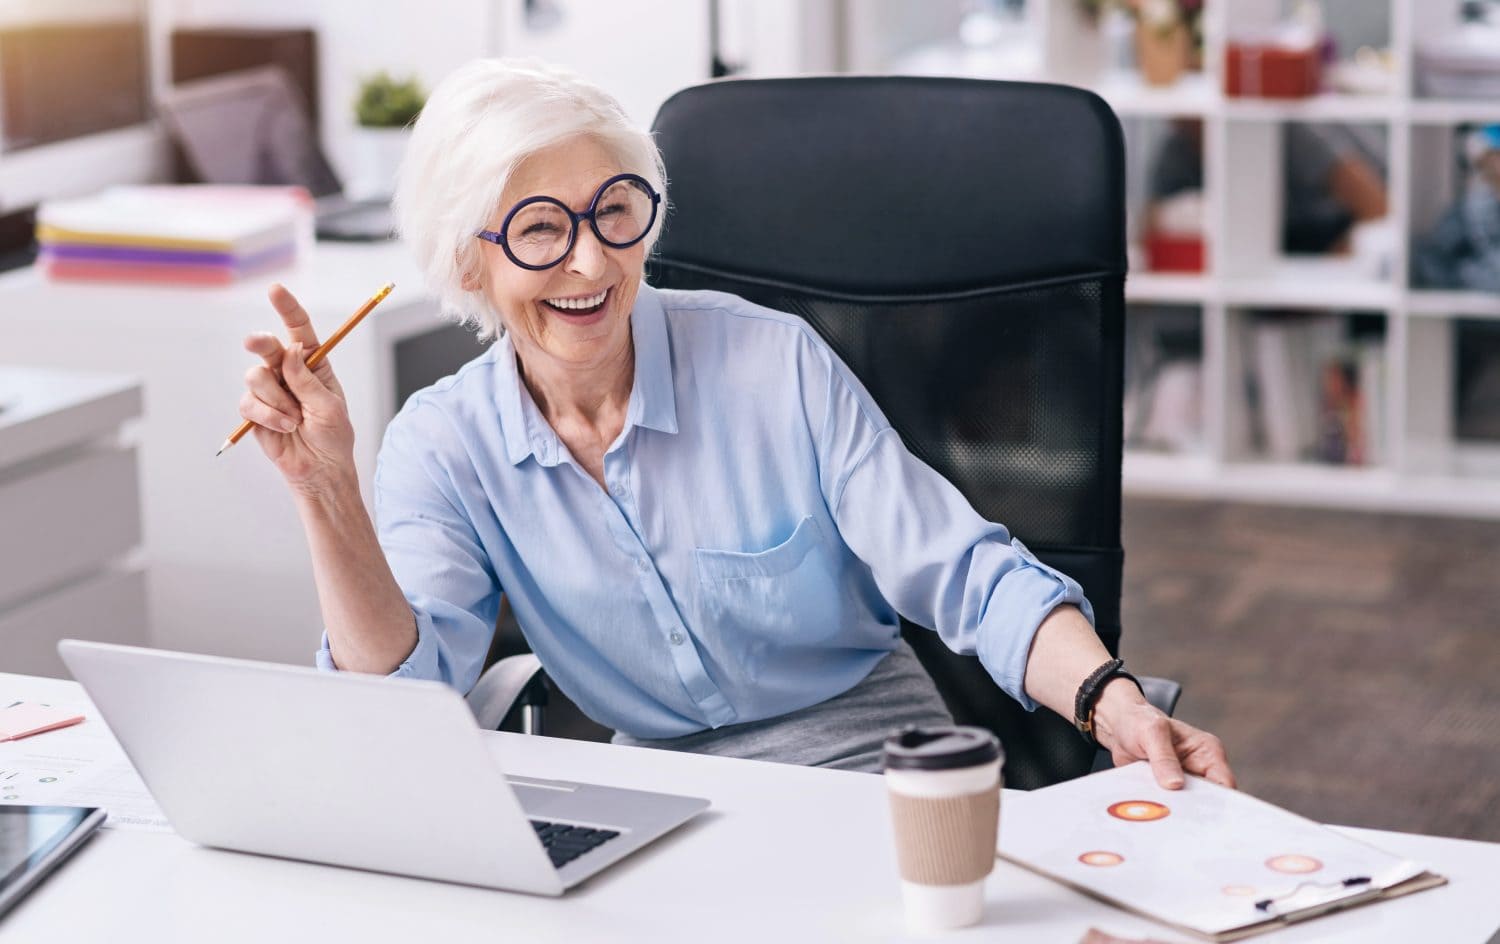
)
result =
(277, 411)
(303, 383)
(298, 326)
(1161, 751)
(267, 347)
(1205, 756)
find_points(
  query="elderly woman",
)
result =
(705, 526)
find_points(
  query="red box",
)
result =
(1166, 253)
(1253, 70)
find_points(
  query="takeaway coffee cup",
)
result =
(944, 787)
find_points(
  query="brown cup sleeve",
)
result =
(946, 840)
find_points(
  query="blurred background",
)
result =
(1312, 413)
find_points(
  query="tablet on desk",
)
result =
(34, 840)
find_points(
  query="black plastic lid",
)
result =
(944, 747)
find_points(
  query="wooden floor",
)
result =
(1350, 661)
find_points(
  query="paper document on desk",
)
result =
(80, 765)
(1205, 859)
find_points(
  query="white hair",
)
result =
(477, 127)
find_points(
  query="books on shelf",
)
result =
(1318, 394)
(196, 234)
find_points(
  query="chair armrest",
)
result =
(1163, 693)
(500, 687)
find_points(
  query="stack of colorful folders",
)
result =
(194, 235)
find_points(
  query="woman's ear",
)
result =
(470, 278)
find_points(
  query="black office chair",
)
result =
(961, 245)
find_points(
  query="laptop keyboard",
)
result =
(564, 843)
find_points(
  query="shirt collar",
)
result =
(653, 401)
(652, 404)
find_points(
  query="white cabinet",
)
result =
(227, 566)
(70, 515)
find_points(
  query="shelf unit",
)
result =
(1424, 468)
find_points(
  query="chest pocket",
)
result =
(785, 596)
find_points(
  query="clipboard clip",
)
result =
(1266, 904)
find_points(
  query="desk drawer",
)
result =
(105, 607)
(65, 516)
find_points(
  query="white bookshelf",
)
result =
(1423, 467)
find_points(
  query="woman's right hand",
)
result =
(300, 416)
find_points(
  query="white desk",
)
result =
(785, 854)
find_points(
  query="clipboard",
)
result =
(1205, 860)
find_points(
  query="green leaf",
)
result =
(384, 102)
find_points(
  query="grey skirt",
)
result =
(844, 732)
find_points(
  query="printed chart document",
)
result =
(1205, 859)
(80, 765)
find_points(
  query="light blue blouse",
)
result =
(762, 527)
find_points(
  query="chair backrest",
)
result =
(961, 245)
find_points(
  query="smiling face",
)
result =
(575, 315)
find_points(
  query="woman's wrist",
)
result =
(1119, 698)
(330, 495)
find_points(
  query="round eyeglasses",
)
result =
(539, 232)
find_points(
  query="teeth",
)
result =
(578, 303)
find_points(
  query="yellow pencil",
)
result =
(317, 356)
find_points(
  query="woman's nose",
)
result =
(586, 259)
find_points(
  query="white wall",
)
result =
(640, 50)
(876, 32)
(425, 39)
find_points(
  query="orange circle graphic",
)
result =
(1293, 864)
(1239, 891)
(1139, 811)
(1101, 858)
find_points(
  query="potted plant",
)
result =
(383, 111)
(1167, 34)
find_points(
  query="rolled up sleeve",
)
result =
(436, 557)
(932, 556)
(423, 663)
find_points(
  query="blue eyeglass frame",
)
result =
(499, 238)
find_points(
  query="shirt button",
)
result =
(617, 490)
(641, 565)
(676, 638)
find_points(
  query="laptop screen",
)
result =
(248, 128)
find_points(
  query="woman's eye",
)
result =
(539, 231)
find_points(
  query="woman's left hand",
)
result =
(1133, 729)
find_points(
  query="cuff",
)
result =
(1026, 597)
(422, 663)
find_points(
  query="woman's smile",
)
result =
(580, 310)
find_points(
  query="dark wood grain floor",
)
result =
(1350, 661)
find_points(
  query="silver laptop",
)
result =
(391, 775)
(249, 127)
